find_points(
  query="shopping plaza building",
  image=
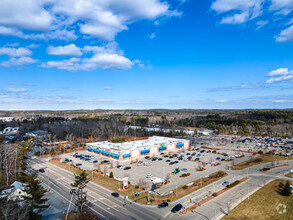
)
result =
(136, 149)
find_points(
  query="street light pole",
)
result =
(69, 207)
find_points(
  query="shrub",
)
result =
(136, 187)
(184, 187)
(111, 174)
(168, 200)
(233, 184)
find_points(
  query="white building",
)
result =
(10, 131)
(7, 118)
(14, 192)
(136, 149)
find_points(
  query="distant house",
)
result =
(9, 131)
(14, 192)
(38, 133)
(7, 118)
(206, 132)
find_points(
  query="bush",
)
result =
(111, 174)
(184, 187)
(233, 184)
(136, 187)
(168, 200)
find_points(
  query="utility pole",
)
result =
(69, 207)
(48, 178)
(92, 170)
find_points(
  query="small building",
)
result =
(14, 192)
(136, 149)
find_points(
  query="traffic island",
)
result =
(215, 194)
(269, 168)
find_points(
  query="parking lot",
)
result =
(162, 166)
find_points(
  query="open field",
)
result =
(262, 205)
(99, 179)
(265, 158)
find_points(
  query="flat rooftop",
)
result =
(132, 145)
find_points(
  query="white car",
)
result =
(147, 163)
(122, 167)
(139, 163)
(149, 176)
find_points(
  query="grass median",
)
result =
(263, 205)
(264, 158)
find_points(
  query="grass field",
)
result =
(101, 180)
(262, 205)
(265, 158)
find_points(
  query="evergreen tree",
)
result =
(286, 190)
(34, 197)
(80, 182)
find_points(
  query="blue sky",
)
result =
(146, 54)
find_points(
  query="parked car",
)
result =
(197, 159)
(184, 169)
(218, 158)
(198, 155)
(168, 161)
(72, 192)
(42, 170)
(160, 159)
(127, 168)
(171, 163)
(225, 183)
(176, 161)
(139, 163)
(163, 204)
(188, 154)
(154, 159)
(223, 159)
(149, 176)
(147, 157)
(176, 208)
(95, 161)
(147, 163)
(115, 194)
(78, 164)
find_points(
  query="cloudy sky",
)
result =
(145, 54)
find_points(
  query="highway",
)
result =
(107, 207)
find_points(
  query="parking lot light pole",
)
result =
(69, 207)
(48, 181)
(92, 170)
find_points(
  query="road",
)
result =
(108, 207)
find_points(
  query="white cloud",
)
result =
(15, 52)
(222, 101)
(237, 11)
(282, 75)
(280, 72)
(98, 100)
(153, 35)
(68, 50)
(243, 11)
(278, 101)
(107, 87)
(18, 61)
(108, 57)
(287, 78)
(27, 15)
(261, 24)
(18, 90)
(286, 35)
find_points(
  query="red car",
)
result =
(171, 163)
